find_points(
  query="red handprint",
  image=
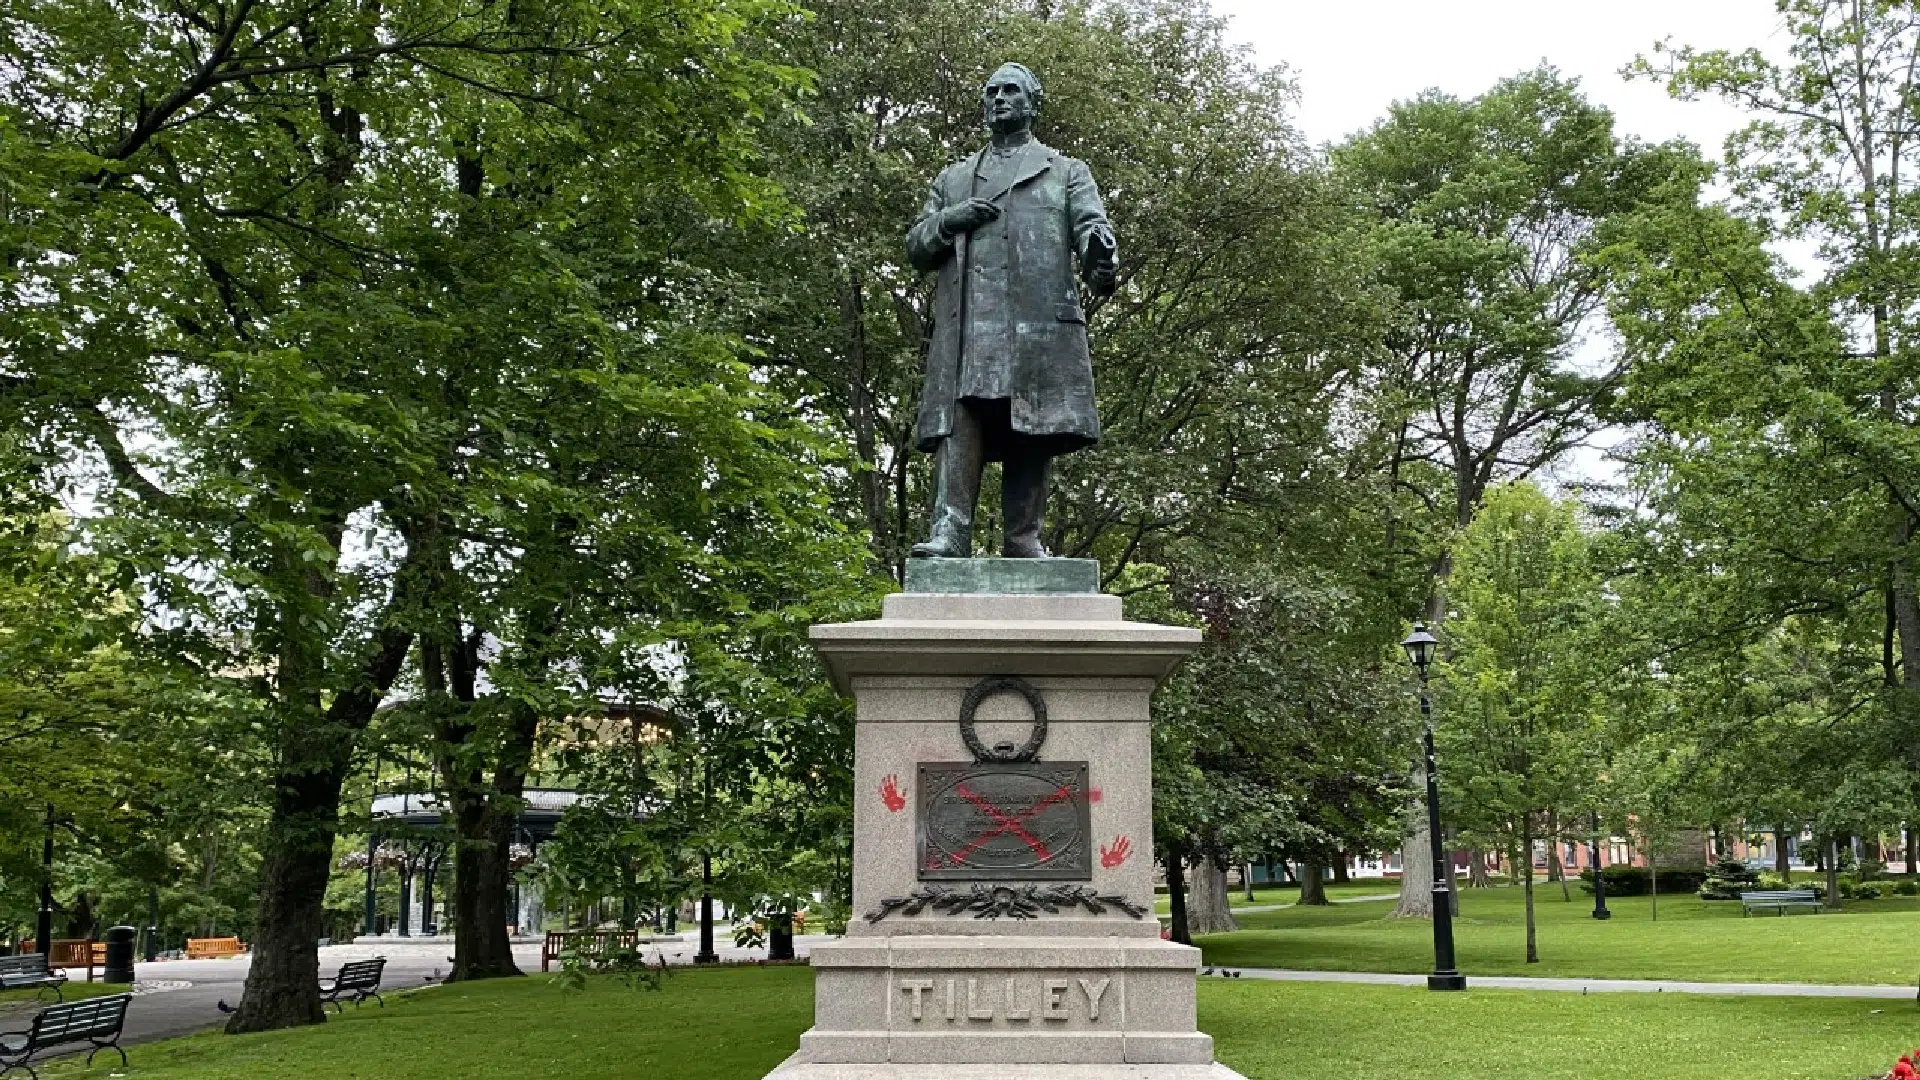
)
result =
(1111, 857)
(890, 794)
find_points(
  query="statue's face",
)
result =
(1009, 106)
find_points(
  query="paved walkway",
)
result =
(181, 997)
(1597, 986)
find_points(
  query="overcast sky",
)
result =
(1353, 59)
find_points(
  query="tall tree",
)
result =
(1829, 425)
(1487, 211)
(235, 262)
(1522, 699)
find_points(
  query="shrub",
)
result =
(1870, 870)
(630, 965)
(1727, 879)
(1909, 887)
(1637, 881)
(834, 914)
(1774, 883)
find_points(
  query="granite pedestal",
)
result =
(959, 968)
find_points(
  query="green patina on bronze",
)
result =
(1008, 376)
(1004, 577)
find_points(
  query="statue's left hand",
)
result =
(1103, 268)
(1102, 279)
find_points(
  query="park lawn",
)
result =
(737, 1023)
(1287, 894)
(728, 1022)
(71, 991)
(1324, 1031)
(1871, 942)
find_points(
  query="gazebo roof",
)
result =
(536, 821)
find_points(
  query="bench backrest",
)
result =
(70, 953)
(1779, 894)
(214, 946)
(93, 1018)
(361, 972)
(592, 943)
(25, 964)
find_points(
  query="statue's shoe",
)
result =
(940, 547)
(1024, 551)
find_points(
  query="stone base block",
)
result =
(795, 1069)
(1004, 577)
(926, 1000)
(991, 1047)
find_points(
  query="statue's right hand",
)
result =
(968, 216)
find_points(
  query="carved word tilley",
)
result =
(961, 998)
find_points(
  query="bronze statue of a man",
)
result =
(1008, 374)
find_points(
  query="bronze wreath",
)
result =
(1004, 752)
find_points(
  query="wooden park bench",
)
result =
(1784, 900)
(361, 978)
(214, 948)
(594, 945)
(30, 970)
(96, 1021)
(76, 953)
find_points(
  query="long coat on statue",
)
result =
(1048, 212)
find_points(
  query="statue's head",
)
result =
(1011, 98)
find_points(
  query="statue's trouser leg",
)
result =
(1023, 499)
(957, 467)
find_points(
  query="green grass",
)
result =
(1287, 894)
(705, 1023)
(12, 999)
(736, 1024)
(1307, 1031)
(1870, 942)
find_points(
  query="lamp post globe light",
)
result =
(1420, 647)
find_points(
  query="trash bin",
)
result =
(119, 966)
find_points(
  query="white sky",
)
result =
(1352, 60)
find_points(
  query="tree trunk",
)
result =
(1210, 913)
(315, 752)
(1313, 887)
(1912, 852)
(861, 419)
(1247, 880)
(1341, 875)
(1477, 869)
(1177, 896)
(483, 814)
(1782, 865)
(1653, 886)
(283, 979)
(482, 873)
(1526, 877)
(1416, 858)
(1833, 872)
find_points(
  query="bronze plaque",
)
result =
(1000, 820)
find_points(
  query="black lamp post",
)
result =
(706, 955)
(1420, 647)
(373, 847)
(43, 925)
(1599, 880)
